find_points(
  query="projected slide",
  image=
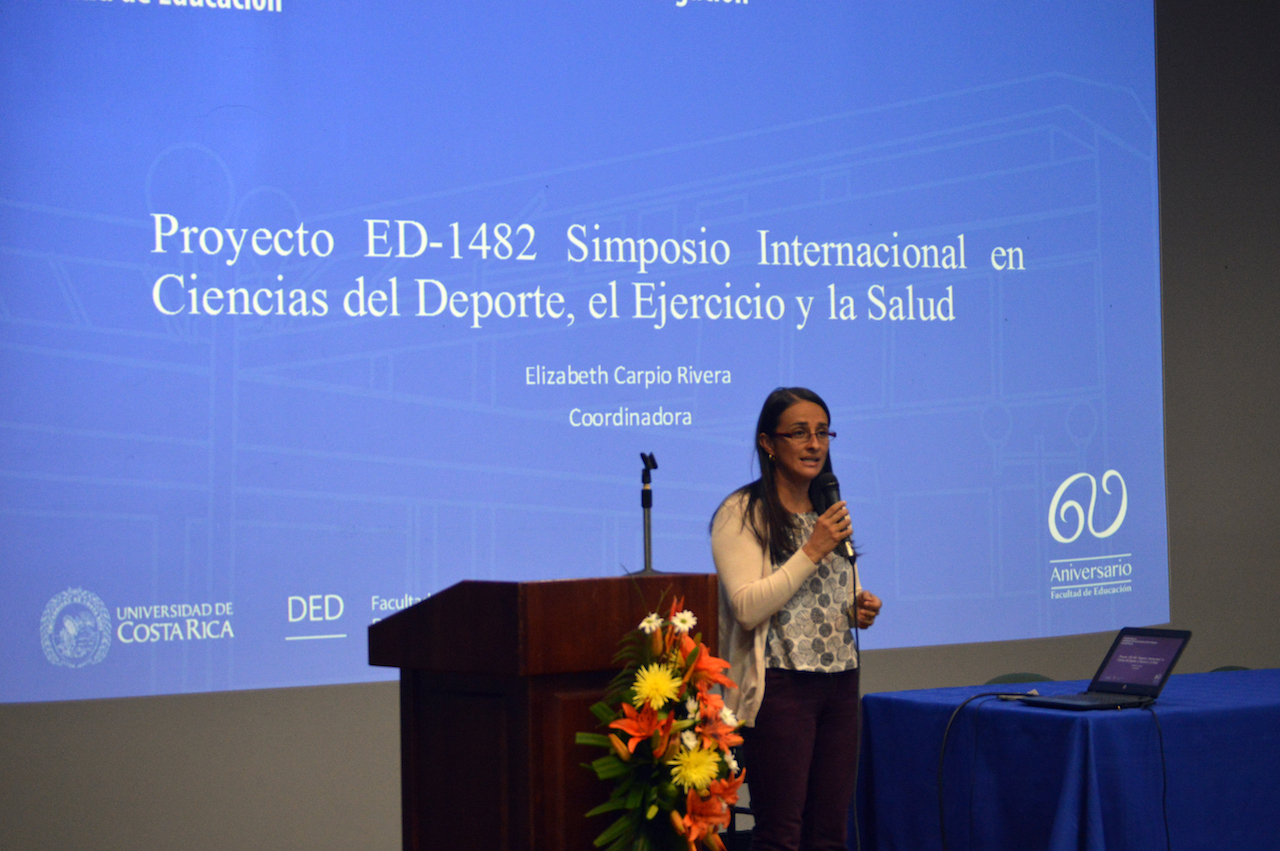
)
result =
(309, 310)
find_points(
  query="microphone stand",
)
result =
(646, 503)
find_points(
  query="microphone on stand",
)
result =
(646, 503)
(824, 492)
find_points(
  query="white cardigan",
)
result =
(752, 589)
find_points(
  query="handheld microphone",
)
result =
(824, 492)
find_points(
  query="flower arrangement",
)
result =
(670, 753)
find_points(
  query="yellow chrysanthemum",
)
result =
(695, 769)
(655, 685)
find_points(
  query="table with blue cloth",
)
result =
(1026, 777)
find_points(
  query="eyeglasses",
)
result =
(802, 436)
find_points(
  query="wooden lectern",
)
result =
(496, 678)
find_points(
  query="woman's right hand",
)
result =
(832, 527)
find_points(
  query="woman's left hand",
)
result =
(868, 607)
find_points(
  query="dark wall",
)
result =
(1219, 101)
(318, 768)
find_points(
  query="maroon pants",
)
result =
(802, 760)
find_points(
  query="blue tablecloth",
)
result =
(1025, 777)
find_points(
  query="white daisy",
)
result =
(684, 621)
(691, 706)
(651, 624)
(727, 716)
(689, 739)
(731, 762)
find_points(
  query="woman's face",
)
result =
(797, 452)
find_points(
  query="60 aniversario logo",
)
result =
(1094, 576)
(1059, 511)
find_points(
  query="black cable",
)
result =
(942, 755)
(857, 655)
(1164, 780)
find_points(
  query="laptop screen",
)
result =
(1140, 661)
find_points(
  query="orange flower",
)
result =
(703, 817)
(710, 704)
(705, 671)
(715, 730)
(641, 725)
(665, 741)
(669, 634)
(727, 789)
(623, 753)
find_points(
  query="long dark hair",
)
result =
(770, 522)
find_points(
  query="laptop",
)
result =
(1134, 671)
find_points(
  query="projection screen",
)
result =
(309, 310)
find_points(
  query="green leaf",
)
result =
(619, 828)
(607, 767)
(599, 740)
(608, 806)
(604, 712)
(666, 796)
(623, 788)
(635, 798)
